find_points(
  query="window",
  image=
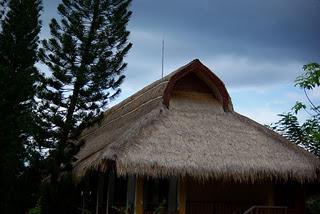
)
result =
(160, 192)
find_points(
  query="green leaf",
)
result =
(298, 106)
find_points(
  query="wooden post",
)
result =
(131, 191)
(270, 195)
(99, 205)
(172, 197)
(110, 191)
(182, 196)
(139, 196)
(299, 200)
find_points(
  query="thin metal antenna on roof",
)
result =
(162, 53)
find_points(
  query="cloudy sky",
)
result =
(256, 47)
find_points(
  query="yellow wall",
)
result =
(246, 194)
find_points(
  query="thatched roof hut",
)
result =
(184, 125)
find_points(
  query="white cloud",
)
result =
(294, 96)
(262, 115)
(245, 71)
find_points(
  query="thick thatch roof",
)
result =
(184, 124)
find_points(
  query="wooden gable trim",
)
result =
(204, 72)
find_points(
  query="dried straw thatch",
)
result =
(177, 127)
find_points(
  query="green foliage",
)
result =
(3, 7)
(161, 208)
(298, 106)
(313, 205)
(59, 196)
(125, 210)
(121, 210)
(306, 134)
(36, 210)
(310, 79)
(41, 116)
(85, 56)
(19, 31)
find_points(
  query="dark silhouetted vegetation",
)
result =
(42, 113)
(20, 27)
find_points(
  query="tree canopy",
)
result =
(305, 133)
(85, 57)
(42, 113)
(20, 26)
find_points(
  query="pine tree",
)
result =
(20, 27)
(3, 7)
(85, 57)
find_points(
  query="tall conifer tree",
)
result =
(19, 31)
(85, 57)
(3, 6)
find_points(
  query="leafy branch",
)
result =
(307, 133)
